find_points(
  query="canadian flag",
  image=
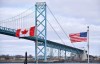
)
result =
(25, 32)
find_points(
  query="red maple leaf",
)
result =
(24, 32)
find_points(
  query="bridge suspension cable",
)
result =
(22, 20)
(61, 28)
(59, 24)
(15, 19)
(56, 32)
(18, 14)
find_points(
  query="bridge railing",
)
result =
(7, 29)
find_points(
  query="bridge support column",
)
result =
(51, 52)
(83, 56)
(36, 58)
(65, 54)
(41, 29)
(59, 54)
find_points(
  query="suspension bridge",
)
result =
(26, 20)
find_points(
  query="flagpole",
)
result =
(88, 41)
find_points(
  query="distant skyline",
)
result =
(73, 15)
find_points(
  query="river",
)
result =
(50, 63)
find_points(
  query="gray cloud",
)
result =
(87, 9)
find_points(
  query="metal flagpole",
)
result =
(88, 41)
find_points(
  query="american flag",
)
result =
(78, 37)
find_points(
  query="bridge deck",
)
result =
(11, 32)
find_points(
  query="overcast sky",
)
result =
(73, 15)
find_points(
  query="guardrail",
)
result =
(7, 29)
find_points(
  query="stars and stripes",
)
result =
(78, 37)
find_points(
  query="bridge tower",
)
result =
(41, 29)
